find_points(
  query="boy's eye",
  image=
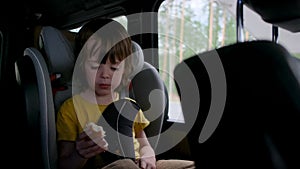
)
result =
(114, 68)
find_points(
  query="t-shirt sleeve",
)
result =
(140, 121)
(66, 124)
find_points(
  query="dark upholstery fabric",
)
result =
(260, 120)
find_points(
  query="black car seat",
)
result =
(242, 102)
(59, 55)
(45, 83)
(146, 86)
(33, 78)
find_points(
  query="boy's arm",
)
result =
(68, 156)
(146, 151)
(74, 154)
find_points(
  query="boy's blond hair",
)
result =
(111, 39)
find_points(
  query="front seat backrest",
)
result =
(250, 118)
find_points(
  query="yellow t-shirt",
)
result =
(70, 122)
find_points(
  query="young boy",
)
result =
(102, 67)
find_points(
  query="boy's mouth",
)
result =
(104, 86)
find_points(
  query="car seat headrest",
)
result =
(137, 59)
(59, 53)
(137, 62)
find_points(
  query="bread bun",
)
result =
(93, 131)
(91, 126)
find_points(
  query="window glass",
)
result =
(186, 28)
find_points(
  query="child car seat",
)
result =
(33, 77)
(146, 86)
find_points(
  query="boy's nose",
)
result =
(104, 72)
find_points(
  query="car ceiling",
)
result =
(60, 12)
(71, 13)
(64, 13)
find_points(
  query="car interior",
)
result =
(240, 102)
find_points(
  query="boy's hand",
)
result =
(147, 160)
(147, 163)
(97, 134)
(91, 142)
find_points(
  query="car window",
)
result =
(188, 27)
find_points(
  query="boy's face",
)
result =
(103, 78)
